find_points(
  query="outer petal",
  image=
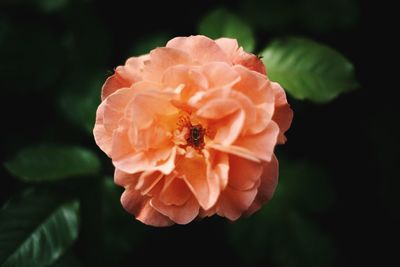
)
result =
(202, 49)
(102, 137)
(233, 203)
(124, 76)
(283, 115)
(136, 204)
(108, 115)
(229, 46)
(124, 179)
(250, 61)
(161, 59)
(180, 214)
(175, 191)
(269, 181)
(147, 181)
(243, 174)
(261, 145)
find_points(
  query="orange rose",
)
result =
(191, 130)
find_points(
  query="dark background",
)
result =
(47, 51)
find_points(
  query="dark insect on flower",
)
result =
(196, 136)
(260, 56)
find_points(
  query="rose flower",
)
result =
(191, 129)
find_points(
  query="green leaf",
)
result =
(282, 231)
(79, 106)
(221, 23)
(42, 163)
(308, 70)
(36, 228)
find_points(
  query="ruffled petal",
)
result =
(201, 48)
(161, 59)
(233, 203)
(124, 179)
(194, 172)
(124, 76)
(250, 61)
(147, 181)
(218, 108)
(220, 74)
(182, 214)
(269, 181)
(175, 191)
(136, 204)
(243, 173)
(229, 46)
(162, 160)
(283, 114)
(229, 128)
(102, 137)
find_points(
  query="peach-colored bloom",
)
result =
(191, 130)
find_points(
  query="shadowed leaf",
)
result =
(42, 163)
(36, 228)
(308, 70)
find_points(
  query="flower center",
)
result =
(196, 136)
(192, 134)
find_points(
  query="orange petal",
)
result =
(262, 144)
(243, 173)
(175, 191)
(250, 61)
(114, 107)
(162, 160)
(150, 216)
(229, 46)
(124, 76)
(269, 181)
(233, 203)
(217, 168)
(201, 48)
(180, 214)
(161, 59)
(229, 128)
(218, 108)
(220, 74)
(283, 114)
(136, 204)
(102, 137)
(192, 79)
(148, 180)
(194, 173)
(124, 179)
(254, 85)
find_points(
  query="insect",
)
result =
(196, 136)
(260, 56)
